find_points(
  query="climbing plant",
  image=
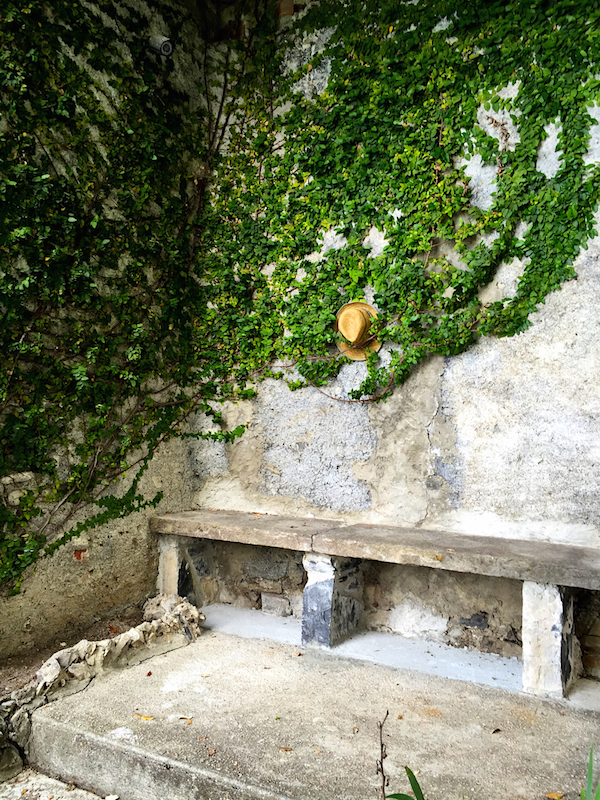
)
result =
(171, 228)
(121, 315)
(415, 92)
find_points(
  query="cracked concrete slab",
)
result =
(239, 718)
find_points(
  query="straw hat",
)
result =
(353, 322)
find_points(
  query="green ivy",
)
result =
(157, 227)
(389, 136)
(119, 305)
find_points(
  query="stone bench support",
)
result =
(333, 554)
(549, 656)
(332, 599)
(168, 565)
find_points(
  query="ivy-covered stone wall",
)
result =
(183, 231)
(501, 439)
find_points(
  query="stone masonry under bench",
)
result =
(333, 554)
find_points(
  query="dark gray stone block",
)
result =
(332, 600)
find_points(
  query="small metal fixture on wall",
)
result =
(354, 322)
(161, 45)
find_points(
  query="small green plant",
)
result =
(587, 793)
(414, 783)
(415, 787)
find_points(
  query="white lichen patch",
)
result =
(548, 160)
(301, 54)
(499, 124)
(482, 181)
(442, 25)
(331, 240)
(375, 241)
(592, 155)
(510, 91)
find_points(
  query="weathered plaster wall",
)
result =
(110, 567)
(500, 441)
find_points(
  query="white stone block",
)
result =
(168, 565)
(543, 640)
(296, 605)
(318, 567)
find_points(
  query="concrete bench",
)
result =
(333, 552)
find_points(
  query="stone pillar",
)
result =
(332, 600)
(550, 651)
(168, 565)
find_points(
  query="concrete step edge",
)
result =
(105, 766)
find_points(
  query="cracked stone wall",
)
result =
(501, 441)
(108, 568)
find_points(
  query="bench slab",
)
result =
(289, 533)
(539, 561)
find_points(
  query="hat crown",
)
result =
(354, 324)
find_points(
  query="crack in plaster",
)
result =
(429, 428)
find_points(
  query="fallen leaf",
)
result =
(188, 719)
(110, 627)
(212, 751)
(203, 737)
(205, 675)
(299, 654)
(399, 716)
(497, 730)
(286, 749)
(148, 674)
(141, 716)
(266, 667)
(431, 712)
(555, 795)
(317, 751)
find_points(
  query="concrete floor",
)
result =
(237, 718)
(32, 785)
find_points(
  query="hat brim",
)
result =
(346, 348)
